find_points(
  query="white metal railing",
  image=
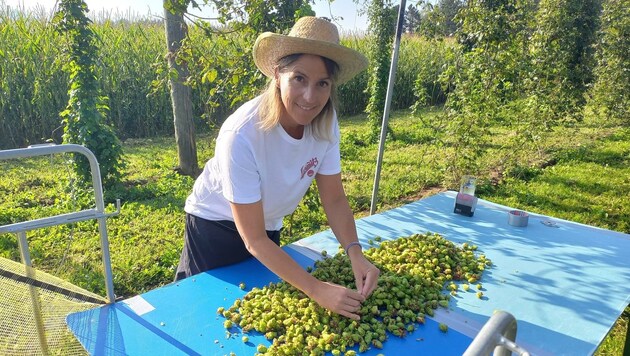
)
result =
(97, 213)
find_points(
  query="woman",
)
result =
(267, 154)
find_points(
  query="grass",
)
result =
(580, 174)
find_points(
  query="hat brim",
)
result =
(270, 47)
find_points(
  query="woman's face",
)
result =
(305, 87)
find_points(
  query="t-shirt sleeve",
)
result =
(331, 164)
(240, 179)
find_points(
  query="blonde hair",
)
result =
(270, 107)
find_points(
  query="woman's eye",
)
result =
(298, 78)
(324, 84)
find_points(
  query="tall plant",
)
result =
(487, 79)
(30, 75)
(432, 81)
(382, 28)
(562, 55)
(609, 99)
(86, 111)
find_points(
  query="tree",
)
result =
(412, 19)
(275, 15)
(450, 9)
(432, 21)
(439, 20)
(225, 74)
(176, 31)
(228, 73)
(86, 112)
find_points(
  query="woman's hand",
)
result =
(338, 299)
(365, 275)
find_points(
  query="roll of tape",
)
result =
(518, 218)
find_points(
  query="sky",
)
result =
(347, 9)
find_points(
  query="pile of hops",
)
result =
(415, 271)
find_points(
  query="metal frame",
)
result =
(497, 336)
(388, 102)
(97, 213)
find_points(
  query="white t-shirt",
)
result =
(250, 165)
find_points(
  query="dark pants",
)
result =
(211, 244)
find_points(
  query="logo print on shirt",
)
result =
(308, 167)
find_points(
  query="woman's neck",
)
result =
(295, 131)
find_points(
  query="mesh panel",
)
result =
(33, 308)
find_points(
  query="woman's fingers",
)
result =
(371, 281)
(341, 300)
(353, 297)
(352, 307)
(352, 316)
(366, 276)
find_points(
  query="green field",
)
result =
(580, 174)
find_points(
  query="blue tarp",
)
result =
(566, 284)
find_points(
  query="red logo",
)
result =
(306, 169)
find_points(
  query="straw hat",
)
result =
(310, 35)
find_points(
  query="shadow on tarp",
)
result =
(567, 284)
(184, 318)
(529, 336)
(100, 332)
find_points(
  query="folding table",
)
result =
(565, 283)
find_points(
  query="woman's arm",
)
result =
(250, 224)
(341, 221)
